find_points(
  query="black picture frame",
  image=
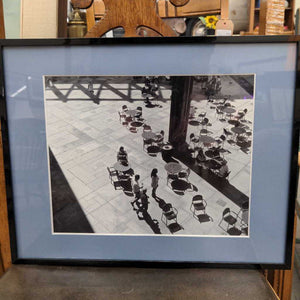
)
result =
(150, 41)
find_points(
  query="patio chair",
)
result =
(133, 129)
(204, 123)
(124, 108)
(112, 173)
(221, 139)
(171, 177)
(146, 144)
(194, 140)
(230, 218)
(122, 120)
(243, 215)
(139, 113)
(198, 208)
(147, 128)
(122, 116)
(117, 185)
(239, 116)
(114, 178)
(222, 151)
(169, 218)
(202, 115)
(184, 174)
(152, 153)
(227, 132)
(169, 214)
(223, 176)
(219, 114)
(129, 119)
(159, 139)
(204, 131)
(198, 205)
(123, 176)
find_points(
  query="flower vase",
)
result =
(210, 31)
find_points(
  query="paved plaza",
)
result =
(84, 135)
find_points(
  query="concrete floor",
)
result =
(85, 136)
(61, 283)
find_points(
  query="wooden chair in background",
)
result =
(128, 14)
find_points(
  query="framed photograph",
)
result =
(175, 150)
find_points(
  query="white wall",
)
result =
(11, 10)
(38, 18)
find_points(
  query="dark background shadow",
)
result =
(67, 213)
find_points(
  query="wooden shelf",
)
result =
(255, 13)
(258, 9)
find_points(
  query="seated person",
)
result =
(139, 112)
(201, 158)
(122, 156)
(160, 137)
(162, 133)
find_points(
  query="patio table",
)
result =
(228, 110)
(153, 149)
(206, 139)
(194, 123)
(149, 135)
(131, 112)
(212, 153)
(167, 147)
(120, 167)
(173, 167)
(238, 130)
(136, 124)
(180, 185)
(213, 164)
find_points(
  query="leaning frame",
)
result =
(293, 168)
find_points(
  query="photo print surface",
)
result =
(150, 155)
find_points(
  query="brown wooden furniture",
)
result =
(62, 10)
(257, 18)
(166, 9)
(4, 230)
(173, 12)
(192, 8)
(5, 256)
(128, 14)
(281, 280)
(2, 27)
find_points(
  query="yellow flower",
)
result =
(210, 21)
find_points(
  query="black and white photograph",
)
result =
(150, 155)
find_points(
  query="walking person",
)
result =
(142, 205)
(122, 156)
(136, 190)
(154, 182)
(90, 88)
(144, 201)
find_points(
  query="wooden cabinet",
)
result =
(255, 14)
